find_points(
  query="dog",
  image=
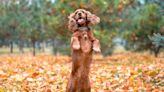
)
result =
(83, 43)
(81, 61)
(80, 21)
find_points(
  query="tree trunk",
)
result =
(21, 45)
(34, 48)
(11, 47)
(156, 51)
(54, 45)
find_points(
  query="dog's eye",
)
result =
(75, 13)
(83, 12)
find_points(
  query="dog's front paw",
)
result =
(96, 46)
(96, 49)
(75, 43)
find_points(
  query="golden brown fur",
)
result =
(91, 19)
(82, 18)
(81, 60)
(82, 44)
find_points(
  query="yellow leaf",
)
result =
(2, 89)
(135, 89)
(63, 11)
(153, 73)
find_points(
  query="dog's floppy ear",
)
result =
(92, 19)
(71, 15)
(72, 25)
(88, 13)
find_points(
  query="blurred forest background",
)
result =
(40, 26)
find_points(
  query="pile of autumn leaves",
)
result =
(131, 72)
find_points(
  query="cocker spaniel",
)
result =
(80, 21)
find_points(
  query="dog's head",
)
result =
(78, 14)
(83, 17)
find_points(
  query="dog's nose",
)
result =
(79, 14)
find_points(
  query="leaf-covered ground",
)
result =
(129, 72)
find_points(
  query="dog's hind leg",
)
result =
(72, 85)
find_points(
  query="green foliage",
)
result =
(44, 20)
(157, 40)
(146, 21)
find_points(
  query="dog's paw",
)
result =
(75, 43)
(96, 46)
(76, 46)
(97, 50)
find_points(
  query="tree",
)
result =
(9, 23)
(37, 21)
(158, 42)
(143, 23)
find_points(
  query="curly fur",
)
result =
(80, 20)
(82, 43)
(90, 19)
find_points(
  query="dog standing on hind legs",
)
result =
(82, 44)
(81, 60)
